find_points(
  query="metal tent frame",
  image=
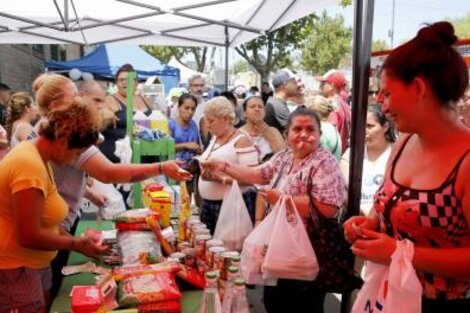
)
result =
(68, 23)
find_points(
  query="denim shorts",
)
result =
(22, 289)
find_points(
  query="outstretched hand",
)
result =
(173, 170)
(375, 247)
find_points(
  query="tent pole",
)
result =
(361, 65)
(66, 15)
(227, 42)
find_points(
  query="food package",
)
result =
(120, 273)
(137, 247)
(161, 307)
(160, 201)
(150, 288)
(86, 299)
(136, 216)
(191, 276)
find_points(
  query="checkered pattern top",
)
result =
(428, 218)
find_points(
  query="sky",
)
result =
(409, 16)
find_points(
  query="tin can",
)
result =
(190, 257)
(213, 257)
(198, 229)
(214, 242)
(226, 262)
(200, 245)
(178, 256)
(183, 245)
(236, 260)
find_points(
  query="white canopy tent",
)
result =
(156, 22)
(227, 23)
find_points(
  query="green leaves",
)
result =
(328, 42)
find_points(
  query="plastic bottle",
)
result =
(239, 301)
(210, 298)
(158, 121)
(232, 274)
(141, 119)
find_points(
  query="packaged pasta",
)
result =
(136, 216)
(120, 273)
(161, 307)
(150, 288)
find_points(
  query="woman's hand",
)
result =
(261, 127)
(375, 247)
(87, 246)
(353, 227)
(271, 195)
(192, 146)
(172, 170)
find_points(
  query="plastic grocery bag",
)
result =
(255, 247)
(234, 223)
(393, 288)
(114, 204)
(290, 254)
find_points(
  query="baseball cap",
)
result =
(334, 77)
(281, 76)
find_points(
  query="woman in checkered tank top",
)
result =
(425, 197)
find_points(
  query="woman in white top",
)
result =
(267, 140)
(228, 144)
(22, 112)
(380, 136)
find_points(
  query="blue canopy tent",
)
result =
(104, 62)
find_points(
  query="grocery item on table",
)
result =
(169, 234)
(120, 273)
(185, 211)
(147, 188)
(227, 292)
(225, 263)
(138, 247)
(160, 201)
(190, 257)
(109, 236)
(190, 221)
(166, 247)
(214, 257)
(239, 302)
(177, 256)
(136, 216)
(183, 245)
(86, 299)
(191, 276)
(161, 307)
(150, 288)
(132, 226)
(211, 299)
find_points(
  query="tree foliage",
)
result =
(462, 26)
(239, 66)
(379, 44)
(164, 54)
(327, 43)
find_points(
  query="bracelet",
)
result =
(160, 168)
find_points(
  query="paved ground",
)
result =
(332, 302)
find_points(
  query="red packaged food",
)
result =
(162, 307)
(120, 273)
(132, 226)
(191, 276)
(146, 289)
(86, 299)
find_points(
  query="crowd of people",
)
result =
(288, 141)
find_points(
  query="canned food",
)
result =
(200, 245)
(190, 257)
(226, 262)
(214, 242)
(236, 260)
(213, 257)
(183, 245)
(178, 256)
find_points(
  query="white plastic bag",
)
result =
(254, 250)
(290, 254)
(114, 203)
(234, 223)
(393, 288)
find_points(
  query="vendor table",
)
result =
(190, 301)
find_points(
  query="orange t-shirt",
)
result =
(21, 169)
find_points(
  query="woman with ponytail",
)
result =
(21, 115)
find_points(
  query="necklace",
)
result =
(213, 148)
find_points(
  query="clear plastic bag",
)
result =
(234, 223)
(139, 247)
(394, 288)
(114, 203)
(290, 254)
(254, 250)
